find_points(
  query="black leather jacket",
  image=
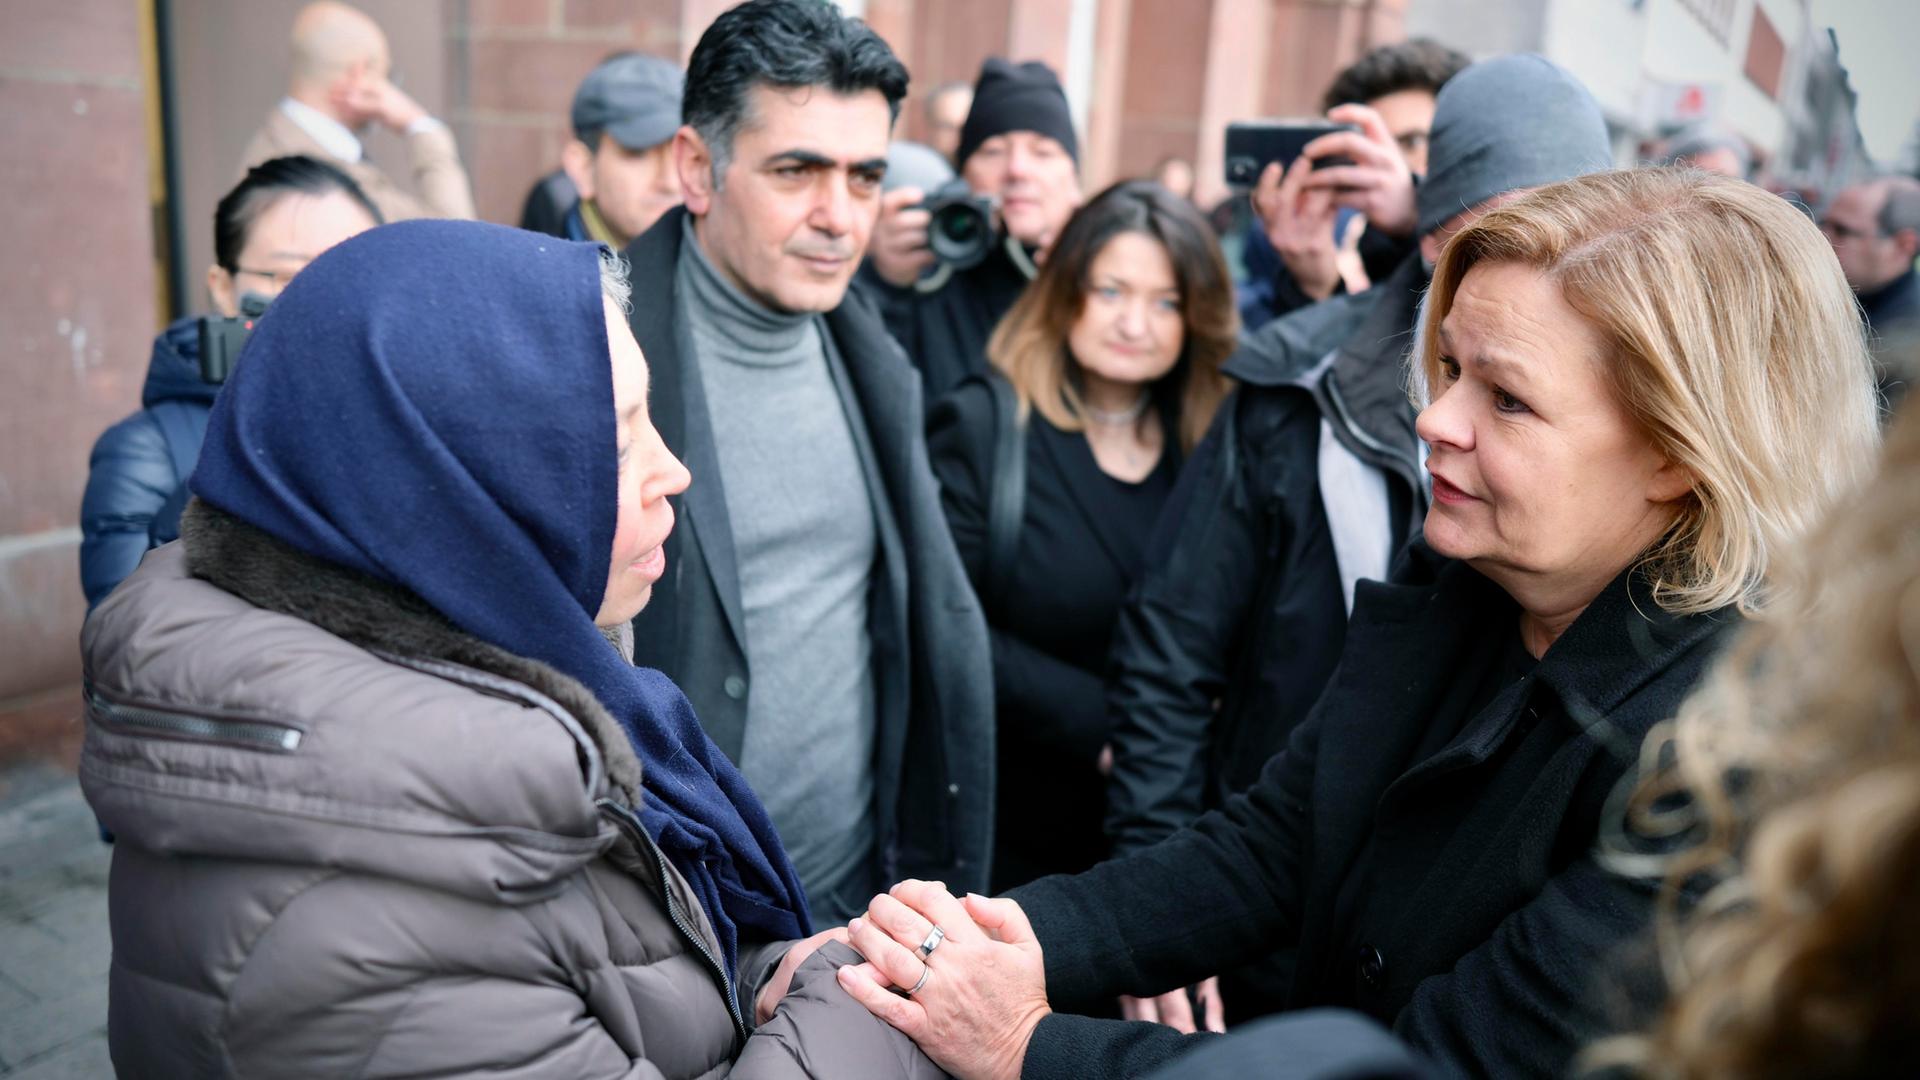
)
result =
(1233, 631)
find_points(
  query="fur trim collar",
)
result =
(229, 553)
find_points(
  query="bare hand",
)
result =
(1174, 1010)
(1299, 223)
(1105, 761)
(782, 978)
(376, 98)
(899, 246)
(1353, 269)
(1378, 183)
(985, 989)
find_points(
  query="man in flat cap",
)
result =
(621, 156)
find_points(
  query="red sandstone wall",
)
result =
(77, 306)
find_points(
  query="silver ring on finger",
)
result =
(934, 937)
(925, 974)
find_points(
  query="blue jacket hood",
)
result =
(174, 373)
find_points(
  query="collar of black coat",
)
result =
(1368, 331)
(382, 618)
(1619, 643)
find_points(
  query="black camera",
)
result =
(221, 337)
(961, 231)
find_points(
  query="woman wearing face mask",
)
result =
(389, 799)
(282, 214)
(1113, 355)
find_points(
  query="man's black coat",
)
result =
(1488, 923)
(945, 330)
(933, 679)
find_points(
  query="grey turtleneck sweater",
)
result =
(805, 539)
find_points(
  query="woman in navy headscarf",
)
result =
(389, 799)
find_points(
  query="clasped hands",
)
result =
(977, 994)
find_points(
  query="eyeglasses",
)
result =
(279, 278)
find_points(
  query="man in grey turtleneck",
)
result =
(815, 611)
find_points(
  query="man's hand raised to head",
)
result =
(375, 97)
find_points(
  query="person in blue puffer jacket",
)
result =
(282, 214)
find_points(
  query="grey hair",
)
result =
(613, 281)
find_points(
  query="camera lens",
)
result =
(961, 232)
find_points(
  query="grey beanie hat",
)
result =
(1511, 122)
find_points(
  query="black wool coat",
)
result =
(1053, 626)
(1492, 922)
(933, 677)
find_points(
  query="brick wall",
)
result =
(514, 65)
(77, 308)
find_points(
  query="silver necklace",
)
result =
(1121, 418)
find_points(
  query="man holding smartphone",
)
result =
(1294, 256)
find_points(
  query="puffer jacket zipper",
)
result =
(145, 719)
(630, 824)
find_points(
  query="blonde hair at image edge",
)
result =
(1734, 344)
(1800, 956)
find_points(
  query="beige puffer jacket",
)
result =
(360, 843)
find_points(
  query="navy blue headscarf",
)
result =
(431, 404)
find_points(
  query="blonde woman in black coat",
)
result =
(1640, 388)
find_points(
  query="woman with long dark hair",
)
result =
(1053, 470)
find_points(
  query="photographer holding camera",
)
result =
(942, 292)
(284, 213)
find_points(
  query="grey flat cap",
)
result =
(631, 96)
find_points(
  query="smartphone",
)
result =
(1252, 145)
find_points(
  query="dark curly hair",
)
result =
(783, 43)
(1420, 64)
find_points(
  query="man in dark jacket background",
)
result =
(1874, 228)
(815, 610)
(1309, 482)
(1017, 148)
(620, 160)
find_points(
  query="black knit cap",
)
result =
(1017, 97)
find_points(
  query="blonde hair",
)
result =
(1795, 773)
(1030, 344)
(1734, 344)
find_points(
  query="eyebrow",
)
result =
(815, 160)
(1116, 279)
(1495, 360)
